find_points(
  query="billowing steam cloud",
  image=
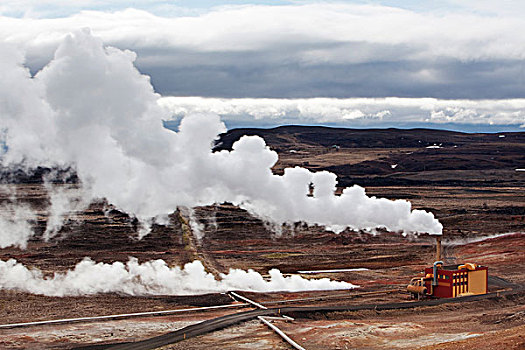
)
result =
(91, 109)
(153, 277)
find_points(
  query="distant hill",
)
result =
(371, 157)
(395, 156)
(284, 137)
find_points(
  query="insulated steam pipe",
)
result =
(434, 271)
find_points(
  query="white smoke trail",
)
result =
(150, 278)
(90, 109)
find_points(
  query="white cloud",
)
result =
(302, 50)
(352, 111)
(316, 31)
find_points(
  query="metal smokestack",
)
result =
(438, 248)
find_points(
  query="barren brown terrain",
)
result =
(470, 183)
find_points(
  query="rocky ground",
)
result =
(470, 185)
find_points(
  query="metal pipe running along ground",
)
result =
(281, 333)
(229, 320)
(254, 303)
(268, 323)
(119, 316)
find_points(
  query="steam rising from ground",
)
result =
(15, 225)
(16, 220)
(64, 202)
(150, 278)
(90, 109)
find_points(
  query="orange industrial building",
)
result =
(450, 281)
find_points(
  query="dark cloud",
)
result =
(248, 75)
(310, 50)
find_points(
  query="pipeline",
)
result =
(228, 320)
(281, 333)
(438, 248)
(120, 316)
(434, 270)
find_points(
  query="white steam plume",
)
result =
(16, 220)
(150, 278)
(16, 225)
(90, 109)
(64, 203)
(197, 228)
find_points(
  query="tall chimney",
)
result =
(438, 248)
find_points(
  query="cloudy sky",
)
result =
(452, 64)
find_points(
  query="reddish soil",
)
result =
(471, 201)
